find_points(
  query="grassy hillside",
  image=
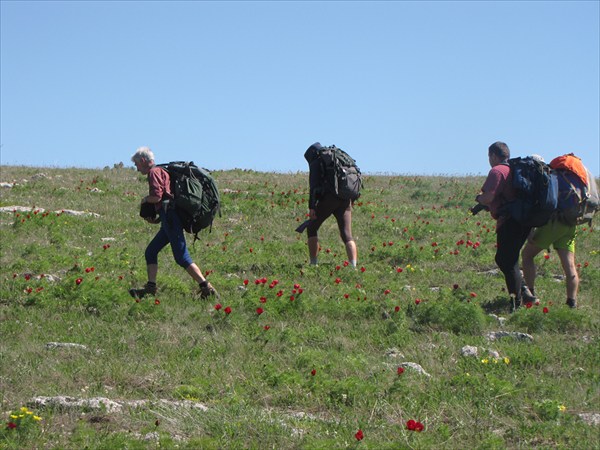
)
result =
(334, 357)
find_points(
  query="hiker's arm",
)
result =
(485, 198)
(151, 199)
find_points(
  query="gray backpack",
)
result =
(341, 175)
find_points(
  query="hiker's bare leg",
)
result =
(152, 270)
(567, 259)
(195, 272)
(313, 248)
(351, 252)
(529, 272)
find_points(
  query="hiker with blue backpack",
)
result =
(496, 194)
(577, 203)
(171, 228)
(334, 183)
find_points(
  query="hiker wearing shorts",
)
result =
(562, 237)
(171, 229)
(496, 191)
(322, 204)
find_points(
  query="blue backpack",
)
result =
(536, 187)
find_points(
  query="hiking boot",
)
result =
(571, 303)
(528, 297)
(207, 290)
(148, 289)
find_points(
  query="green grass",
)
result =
(425, 291)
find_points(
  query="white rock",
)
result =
(495, 335)
(414, 366)
(590, 418)
(468, 350)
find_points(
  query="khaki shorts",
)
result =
(555, 233)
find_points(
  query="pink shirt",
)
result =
(499, 182)
(159, 185)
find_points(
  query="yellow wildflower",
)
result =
(485, 361)
(506, 360)
(24, 409)
(495, 361)
(37, 418)
(12, 416)
(562, 408)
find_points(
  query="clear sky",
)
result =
(405, 87)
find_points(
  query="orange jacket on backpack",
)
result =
(572, 163)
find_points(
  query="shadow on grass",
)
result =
(499, 305)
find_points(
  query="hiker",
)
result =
(322, 203)
(560, 232)
(171, 229)
(496, 191)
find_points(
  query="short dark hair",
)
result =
(499, 149)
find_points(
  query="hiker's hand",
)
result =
(151, 220)
(312, 215)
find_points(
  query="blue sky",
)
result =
(404, 87)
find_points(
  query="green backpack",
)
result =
(196, 196)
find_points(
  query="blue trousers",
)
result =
(171, 232)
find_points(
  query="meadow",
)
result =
(290, 356)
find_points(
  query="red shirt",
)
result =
(159, 183)
(499, 182)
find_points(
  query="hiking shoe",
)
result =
(571, 303)
(140, 293)
(207, 290)
(528, 297)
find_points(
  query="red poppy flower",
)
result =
(400, 370)
(346, 295)
(227, 310)
(279, 293)
(245, 282)
(157, 302)
(78, 281)
(11, 425)
(419, 427)
(266, 327)
(473, 294)
(218, 306)
(399, 270)
(545, 310)
(292, 298)
(296, 286)
(338, 280)
(397, 308)
(338, 267)
(313, 372)
(27, 277)
(386, 292)
(263, 299)
(546, 256)
(359, 435)
(455, 286)
(528, 305)
(411, 424)
(259, 311)
(417, 301)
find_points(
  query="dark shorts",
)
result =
(341, 210)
